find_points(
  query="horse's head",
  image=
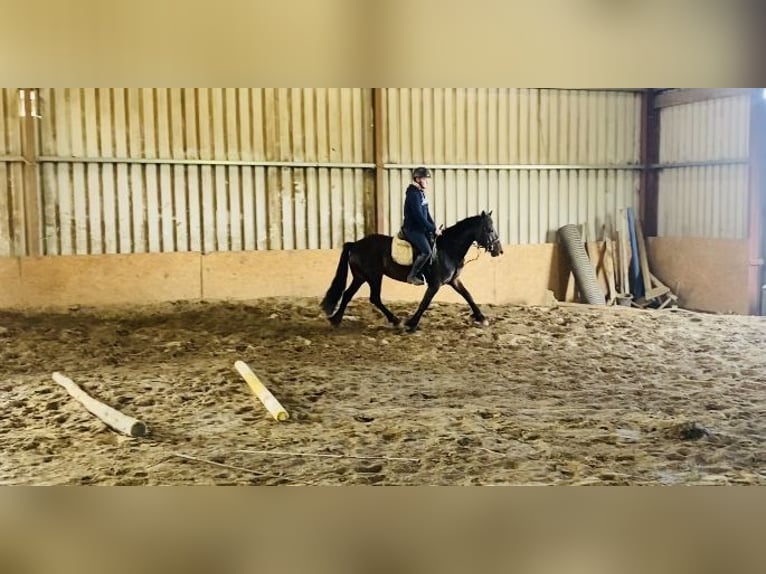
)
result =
(487, 237)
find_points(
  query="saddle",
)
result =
(402, 251)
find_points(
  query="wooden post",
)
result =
(109, 416)
(259, 390)
(29, 151)
(379, 127)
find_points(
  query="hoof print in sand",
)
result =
(687, 431)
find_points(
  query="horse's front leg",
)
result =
(458, 286)
(412, 322)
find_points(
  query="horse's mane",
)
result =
(458, 228)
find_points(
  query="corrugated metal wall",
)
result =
(539, 158)
(705, 200)
(203, 169)
(218, 169)
(11, 174)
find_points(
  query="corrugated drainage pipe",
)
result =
(583, 271)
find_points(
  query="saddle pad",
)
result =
(401, 251)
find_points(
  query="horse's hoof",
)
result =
(335, 322)
(483, 321)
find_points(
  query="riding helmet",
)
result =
(421, 172)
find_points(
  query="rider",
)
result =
(419, 227)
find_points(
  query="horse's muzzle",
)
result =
(497, 249)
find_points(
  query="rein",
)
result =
(478, 254)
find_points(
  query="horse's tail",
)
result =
(338, 284)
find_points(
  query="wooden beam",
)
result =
(609, 269)
(650, 155)
(681, 96)
(656, 292)
(660, 289)
(623, 241)
(627, 252)
(29, 151)
(596, 256)
(643, 258)
(379, 128)
(757, 200)
(369, 176)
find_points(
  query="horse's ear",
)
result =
(490, 213)
(483, 214)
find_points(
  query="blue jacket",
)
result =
(416, 215)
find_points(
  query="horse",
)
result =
(370, 258)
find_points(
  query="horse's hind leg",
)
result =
(375, 285)
(348, 294)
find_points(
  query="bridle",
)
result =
(491, 241)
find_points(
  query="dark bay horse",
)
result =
(370, 259)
